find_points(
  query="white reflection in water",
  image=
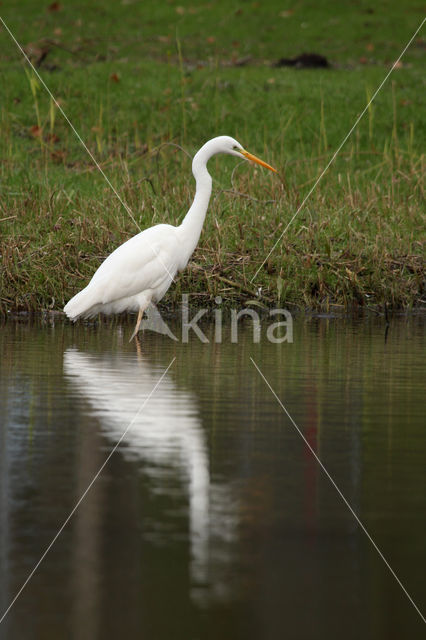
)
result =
(167, 437)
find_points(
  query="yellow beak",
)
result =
(253, 158)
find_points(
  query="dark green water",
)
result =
(213, 519)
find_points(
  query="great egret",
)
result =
(141, 270)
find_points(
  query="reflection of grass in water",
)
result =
(356, 241)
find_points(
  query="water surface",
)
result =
(212, 519)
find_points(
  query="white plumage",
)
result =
(141, 270)
(144, 266)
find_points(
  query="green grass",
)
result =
(134, 78)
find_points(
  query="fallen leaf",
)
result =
(52, 137)
(55, 6)
(36, 131)
(114, 77)
(58, 156)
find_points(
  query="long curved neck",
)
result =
(190, 229)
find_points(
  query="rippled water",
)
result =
(212, 519)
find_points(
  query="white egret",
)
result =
(141, 270)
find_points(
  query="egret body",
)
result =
(141, 270)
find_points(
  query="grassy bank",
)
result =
(136, 81)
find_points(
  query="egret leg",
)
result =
(138, 323)
(138, 348)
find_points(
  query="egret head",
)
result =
(233, 147)
(223, 144)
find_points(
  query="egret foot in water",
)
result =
(138, 324)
